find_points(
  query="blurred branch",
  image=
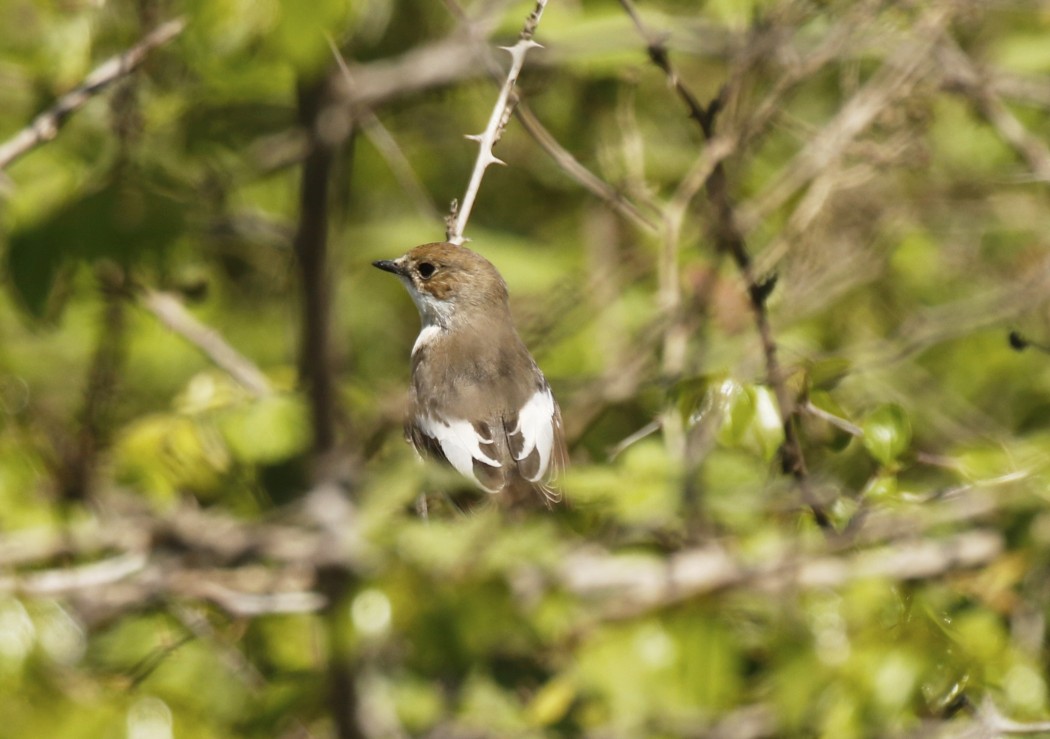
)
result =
(248, 568)
(729, 239)
(501, 113)
(318, 114)
(633, 584)
(964, 77)
(65, 580)
(314, 97)
(170, 311)
(45, 126)
(895, 79)
(76, 466)
(421, 68)
(575, 170)
(387, 146)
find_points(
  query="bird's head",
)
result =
(448, 283)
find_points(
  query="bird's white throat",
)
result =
(426, 335)
(432, 312)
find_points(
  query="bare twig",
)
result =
(173, 314)
(45, 126)
(488, 138)
(65, 580)
(583, 176)
(839, 423)
(561, 156)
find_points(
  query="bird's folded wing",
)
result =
(531, 435)
(470, 449)
(530, 442)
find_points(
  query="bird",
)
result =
(478, 400)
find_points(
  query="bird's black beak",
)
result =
(388, 266)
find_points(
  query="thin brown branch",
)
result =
(729, 239)
(170, 311)
(583, 176)
(46, 125)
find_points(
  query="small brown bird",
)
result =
(479, 402)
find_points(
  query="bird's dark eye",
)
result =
(426, 269)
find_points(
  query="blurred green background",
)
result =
(888, 163)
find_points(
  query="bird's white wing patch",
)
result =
(460, 444)
(536, 426)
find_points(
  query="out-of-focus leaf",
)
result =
(552, 701)
(126, 219)
(690, 395)
(640, 490)
(751, 419)
(162, 455)
(738, 409)
(266, 430)
(887, 433)
(419, 704)
(827, 373)
(882, 488)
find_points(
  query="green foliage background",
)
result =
(902, 265)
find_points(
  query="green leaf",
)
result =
(882, 488)
(738, 411)
(691, 395)
(887, 433)
(552, 701)
(751, 419)
(827, 373)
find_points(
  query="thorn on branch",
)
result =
(497, 121)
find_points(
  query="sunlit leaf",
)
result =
(887, 433)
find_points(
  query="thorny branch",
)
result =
(546, 140)
(729, 239)
(45, 126)
(501, 112)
